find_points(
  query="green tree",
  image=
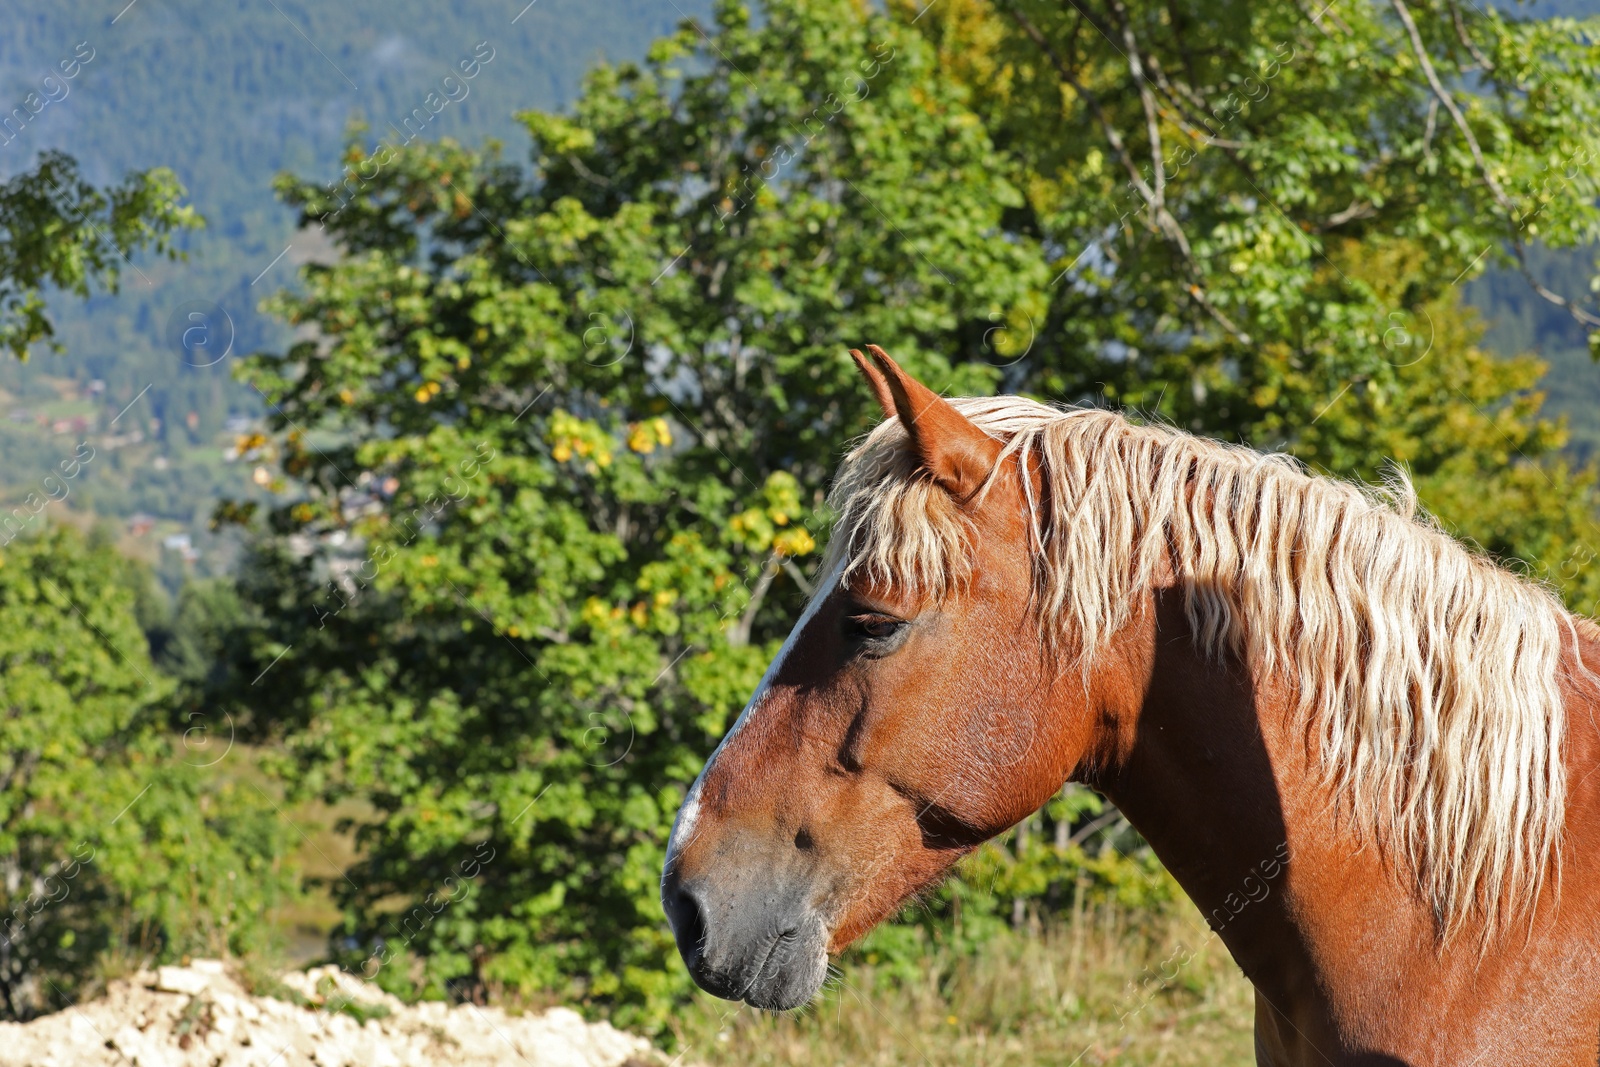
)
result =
(1466, 427)
(116, 837)
(1260, 214)
(1197, 170)
(58, 231)
(564, 444)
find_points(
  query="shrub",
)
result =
(118, 839)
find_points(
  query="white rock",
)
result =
(140, 1017)
(143, 1050)
(181, 980)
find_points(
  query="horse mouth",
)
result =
(763, 944)
(790, 970)
(781, 946)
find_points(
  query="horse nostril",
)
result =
(687, 920)
(802, 840)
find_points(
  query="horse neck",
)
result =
(1211, 765)
(1207, 764)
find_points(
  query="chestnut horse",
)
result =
(1301, 695)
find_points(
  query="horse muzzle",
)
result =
(762, 944)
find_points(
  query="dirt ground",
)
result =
(199, 1016)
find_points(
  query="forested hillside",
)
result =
(1521, 321)
(229, 95)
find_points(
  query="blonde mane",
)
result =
(1428, 675)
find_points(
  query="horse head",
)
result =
(899, 727)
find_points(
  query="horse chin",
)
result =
(791, 976)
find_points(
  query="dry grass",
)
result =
(1095, 991)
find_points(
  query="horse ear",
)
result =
(875, 378)
(951, 447)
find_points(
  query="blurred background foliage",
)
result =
(522, 485)
(120, 837)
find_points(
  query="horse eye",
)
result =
(874, 627)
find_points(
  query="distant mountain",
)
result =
(1520, 321)
(228, 95)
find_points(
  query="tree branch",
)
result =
(1316, 19)
(797, 576)
(1095, 827)
(1152, 120)
(739, 636)
(1421, 52)
(1165, 224)
(1358, 209)
(1489, 180)
(1461, 32)
(1112, 136)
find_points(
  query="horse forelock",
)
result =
(1429, 675)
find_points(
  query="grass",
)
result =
(1096, 990)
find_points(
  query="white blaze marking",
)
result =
(684, 826)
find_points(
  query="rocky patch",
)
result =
(199, 1016)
